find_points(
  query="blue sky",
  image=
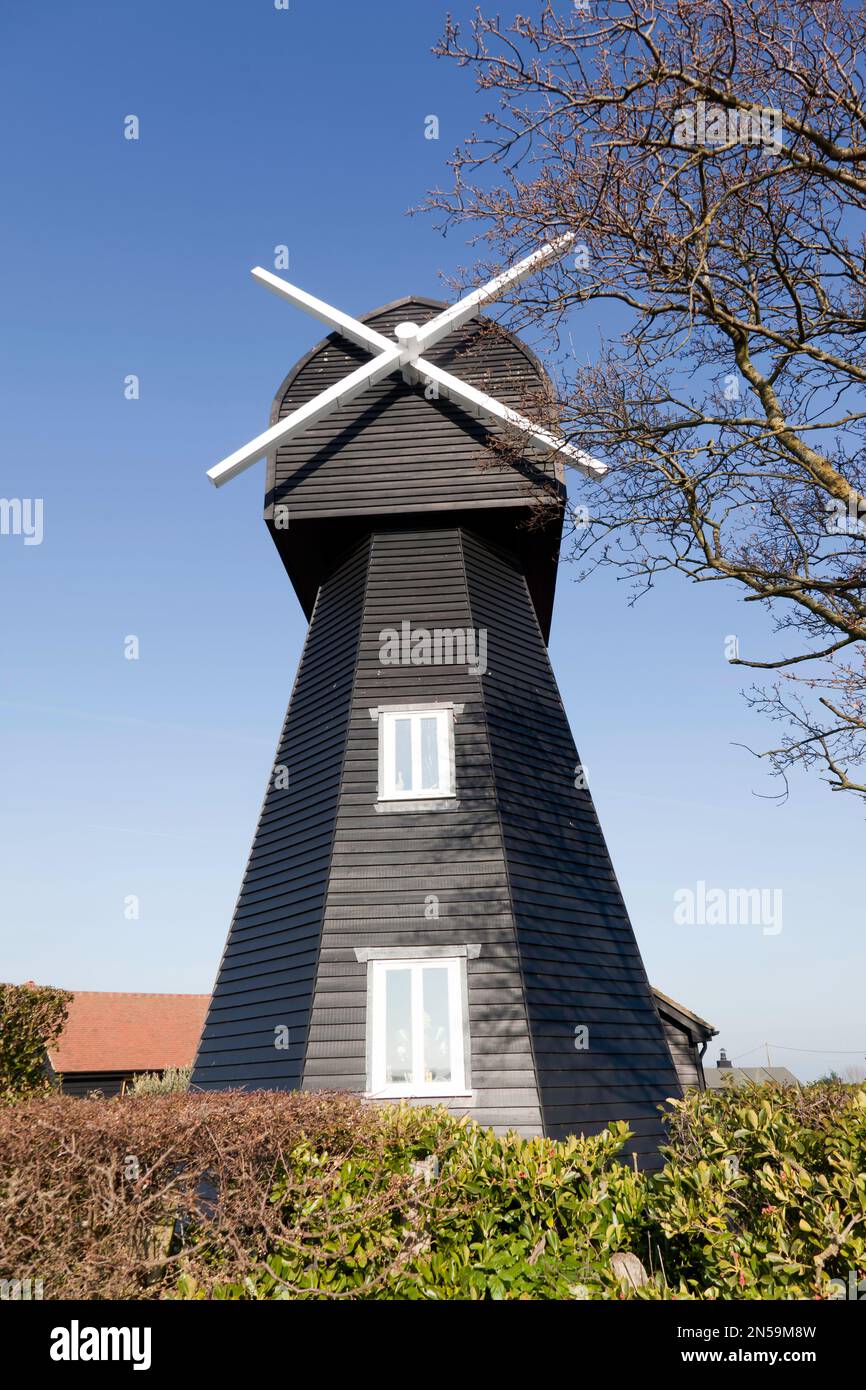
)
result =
(261, 127)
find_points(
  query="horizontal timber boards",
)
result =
(456, 856)
(685, 1054)
(516, 863)
(534, 764)
(282, 972)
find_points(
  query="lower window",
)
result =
(416, 1023)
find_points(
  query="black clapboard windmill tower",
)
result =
(429, 908)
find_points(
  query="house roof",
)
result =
(107, 1031)
(129, 1032)
(717, 1077)
(680, 1014)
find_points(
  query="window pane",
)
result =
(429, 753)
(437, 1029)
(403, 755)
(398, 1025)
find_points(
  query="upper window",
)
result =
(415, 754)
(416, 1028)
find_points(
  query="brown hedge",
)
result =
(114, 1198)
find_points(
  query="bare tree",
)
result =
(710, 158)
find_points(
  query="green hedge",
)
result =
(166, 1083)
(31, 1019)
(763, 1196)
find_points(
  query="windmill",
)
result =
(429, 909)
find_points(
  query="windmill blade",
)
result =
(465, 308)
(340, 394)
(350, 328)
(486, 408)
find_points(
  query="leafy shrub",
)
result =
(31, 1018)
(505, 1217)
(766, 1196)
(167, 1083)
(318, 1195)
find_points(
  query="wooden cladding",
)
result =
(514, 863)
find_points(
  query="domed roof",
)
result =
(397, 454)
(393, 448)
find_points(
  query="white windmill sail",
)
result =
(404, 352)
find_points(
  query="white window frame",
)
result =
(444, 716)
(457, 1019)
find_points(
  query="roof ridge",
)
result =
(136, 993)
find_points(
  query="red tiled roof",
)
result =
(129, 1032)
